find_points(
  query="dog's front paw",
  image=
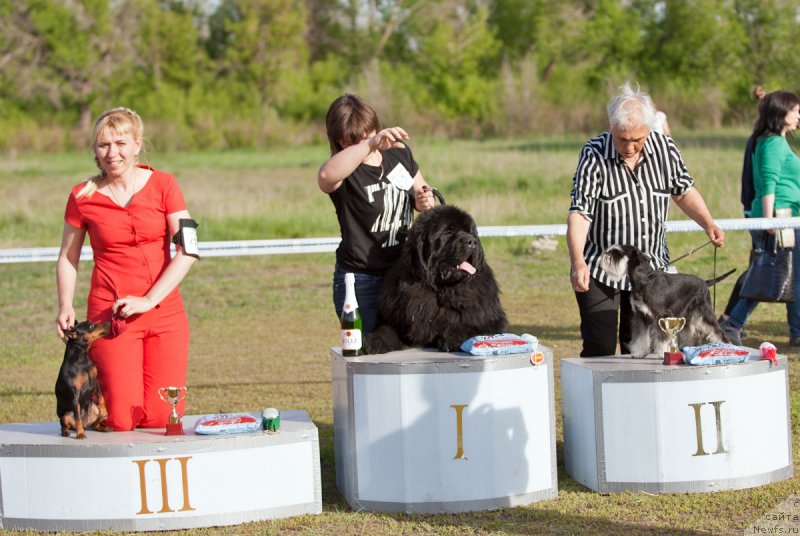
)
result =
(65, 432)
(382, 341)
(80, 435)
(447, 345)
(102, 427)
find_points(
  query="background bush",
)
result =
(225, 74)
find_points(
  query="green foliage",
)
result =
(696, 42)
(237, 73)
(516, 23)
(265, 46)
(612, 43)
(73, 51)
(166, 46)
(456, 62)
(68, 33)
(768, 58)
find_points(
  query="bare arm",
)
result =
(694, 206)
(768, 205)
(67, 275)
(339, 166)
(170, 278)
(577, 231)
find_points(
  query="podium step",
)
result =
(144, 480)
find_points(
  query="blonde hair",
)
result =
(118, 120)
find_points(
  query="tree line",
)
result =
(251, 73)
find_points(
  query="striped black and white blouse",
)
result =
(627, 207)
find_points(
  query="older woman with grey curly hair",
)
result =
(622, 187)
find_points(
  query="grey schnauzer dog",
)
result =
(656, 294)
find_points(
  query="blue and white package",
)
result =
(500, 344)
(227, 423)
(715, 353)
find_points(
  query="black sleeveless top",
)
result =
(374, 214)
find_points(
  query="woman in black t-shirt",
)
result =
(374, 183)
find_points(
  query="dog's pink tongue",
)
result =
(467, 267)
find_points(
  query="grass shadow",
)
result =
(533, 519)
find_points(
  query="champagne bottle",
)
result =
(351, 319)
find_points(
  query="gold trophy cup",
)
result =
(672, 326)
(173, 395)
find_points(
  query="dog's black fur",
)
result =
(429, 298)
(79, 402)
(656, 294)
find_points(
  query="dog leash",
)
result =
(714, 292)
(436, 194)
(714, 274)
(691, 251)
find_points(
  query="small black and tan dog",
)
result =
(79, 402)
(656, 294)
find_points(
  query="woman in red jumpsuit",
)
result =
(130, 213)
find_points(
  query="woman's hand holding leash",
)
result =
(132, 305)
(64, 321)
(716, 235)
(423, 199)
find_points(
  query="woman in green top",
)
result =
(776, 177)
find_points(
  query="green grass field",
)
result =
(262, 326)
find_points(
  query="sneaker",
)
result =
(733, 333)
(794, 340)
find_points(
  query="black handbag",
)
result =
(769, 278)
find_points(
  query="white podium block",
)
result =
(638, 425)
(422, 431)
(143, 480)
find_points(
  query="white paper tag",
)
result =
(190, 241)
(400, 177)
(785, 236)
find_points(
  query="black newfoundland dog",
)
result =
(441, 292)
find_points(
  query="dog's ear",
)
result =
(414, 247)
(70, 333)
(427, 260)
(637, 257)
(417, 251)
(647, 259)
(424, 258)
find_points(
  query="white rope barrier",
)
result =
(322, 245)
